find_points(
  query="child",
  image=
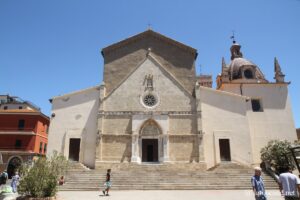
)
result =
(107, 183)
(61, 181)
(15, 182)
(3, 177)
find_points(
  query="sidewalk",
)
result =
(167, 195)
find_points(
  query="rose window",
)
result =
(149, 100)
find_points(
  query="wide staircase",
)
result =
(229, 176)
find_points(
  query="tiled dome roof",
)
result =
(236, 65)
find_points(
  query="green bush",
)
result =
(40, 179)
(277, 155)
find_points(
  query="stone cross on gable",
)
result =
(149, 26)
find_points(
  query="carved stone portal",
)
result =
(150, 128)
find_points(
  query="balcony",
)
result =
(16, 131)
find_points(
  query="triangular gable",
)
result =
(75, 92)
(139, 36)
(153, 59)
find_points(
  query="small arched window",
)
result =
(248, 74)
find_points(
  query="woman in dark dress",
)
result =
(107, 183)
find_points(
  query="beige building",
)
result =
(152, 108)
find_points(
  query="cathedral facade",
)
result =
(152, 108)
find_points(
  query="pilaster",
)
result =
(201, 146)
(166, 148)
(98, 151)
(135, 148)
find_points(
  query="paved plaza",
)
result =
(167, 195)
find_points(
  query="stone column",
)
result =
(82, 146)
(100, 121)
(98, 146)
(198, 116)
(165, 148)
(135, 148)
(98, 151)
(200, 146)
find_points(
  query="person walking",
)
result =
(3, 177)
(15, 182)
(289, 184)
(258, 185)
(107, 183)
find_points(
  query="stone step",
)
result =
(164, 180)
(245, 185)
(164, 176)
(161, 177)
(167, 182)
(160, 187)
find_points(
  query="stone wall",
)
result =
(224, 117)
(75, 116)
(116, 148)
(117, 124)
(230, 115)
(121, 61)
(183, 148)
(276, 122)
(181, 124)
(170, 95)
(8, 155)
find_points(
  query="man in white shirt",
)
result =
(289, 185)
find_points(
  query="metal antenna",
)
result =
(233, 38)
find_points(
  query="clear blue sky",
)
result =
(48, 48)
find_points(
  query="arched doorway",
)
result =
(150, 140)
(13, 166)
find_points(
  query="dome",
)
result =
(242, 69)
(239, 62)
(240, 65)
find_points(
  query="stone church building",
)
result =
(153, 108)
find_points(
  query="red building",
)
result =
(23, 132)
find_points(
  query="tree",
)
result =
(40, 179)
(277, 155)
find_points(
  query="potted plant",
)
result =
(39, 181)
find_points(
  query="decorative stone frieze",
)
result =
(130, 113)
